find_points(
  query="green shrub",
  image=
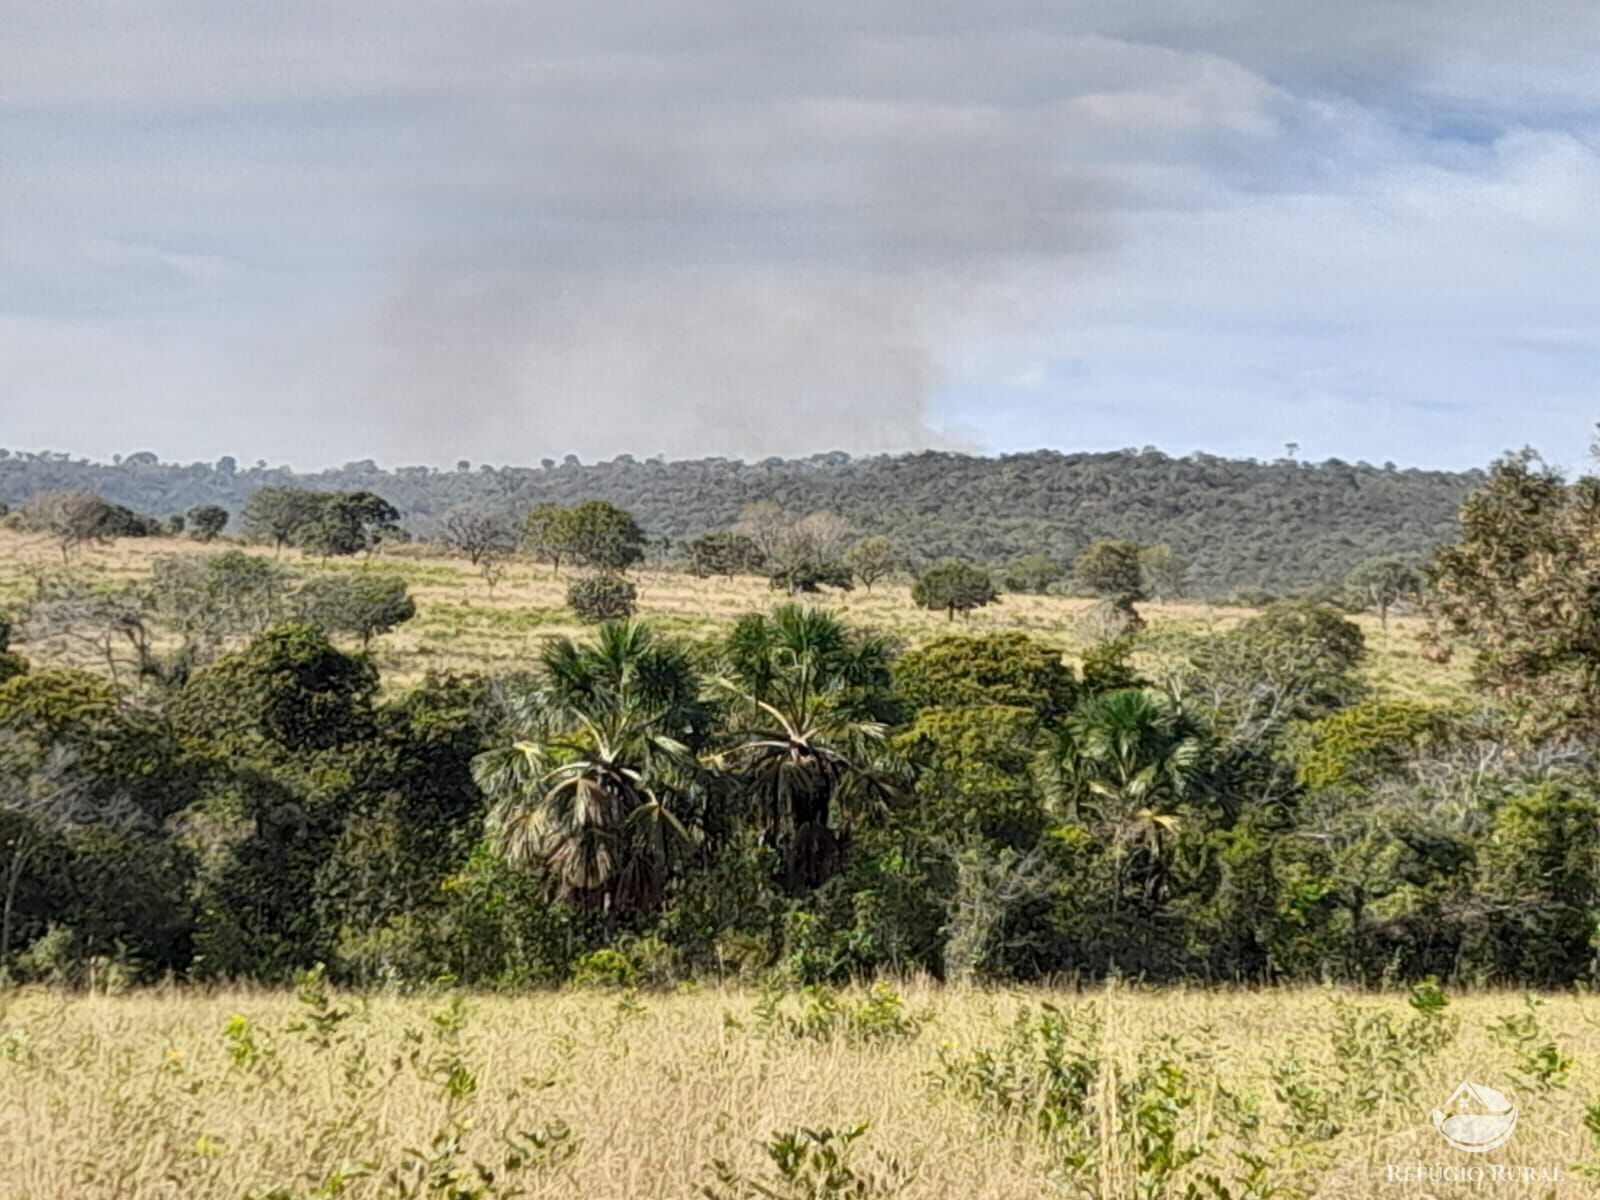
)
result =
(605, 968)
(597, 598)
(811, 1164)
(880, 1016)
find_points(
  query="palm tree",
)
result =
(807, 738)
(590, 788)
(1127, 761)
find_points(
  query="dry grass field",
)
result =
(620, 1096)
(462, 624)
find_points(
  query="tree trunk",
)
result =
(19, 858)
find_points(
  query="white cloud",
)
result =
(498, 231)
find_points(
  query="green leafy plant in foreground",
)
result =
(810, 1164)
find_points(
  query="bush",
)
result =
(597, 598)
(604, 969)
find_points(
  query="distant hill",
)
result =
(1280, 526)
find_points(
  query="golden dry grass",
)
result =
(146, 1095)
(462, 625)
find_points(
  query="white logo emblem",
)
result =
(1476, 1118)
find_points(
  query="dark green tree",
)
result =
(364, 603)
(348, 523)
(807, 692)
(591, 788)
(289, 690)
(954, 587)
(1006, 669)
(278, 515)
(600, 535)
(207, 521)
(1517, 589)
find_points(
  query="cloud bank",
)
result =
(422, 231)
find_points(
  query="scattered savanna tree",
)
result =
(207, 521)
(544, 533)
(78, 518)
(478, 533)
(276, 514)
(328, 524)
(364, 603)
(872, 559)
(955, 587)
(346, 523)
(1381, 583)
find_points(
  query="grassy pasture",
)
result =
(461, 624)
(634, 1096)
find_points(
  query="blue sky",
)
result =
(424, 231)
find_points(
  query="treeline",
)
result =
(1281, 526)
(805, 800)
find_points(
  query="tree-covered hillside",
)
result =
(1281, 526)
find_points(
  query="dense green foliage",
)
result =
(800, 799)
(1281, 526)
(954, 587)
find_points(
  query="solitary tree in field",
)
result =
(1381, 583)
(348, 523)
(544, 533)
(478, 534)
(364, 603)
(955, 587)
(598, 534)
(767, 525)
(276, 514)
(75, 518)
(206, 521)
(873, 558)
(602, 597)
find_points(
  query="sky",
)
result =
(429, 230)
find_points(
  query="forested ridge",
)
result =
(1280, 526)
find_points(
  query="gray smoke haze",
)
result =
(420, 230)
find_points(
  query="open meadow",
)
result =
(616, 1095)
(463, 624)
